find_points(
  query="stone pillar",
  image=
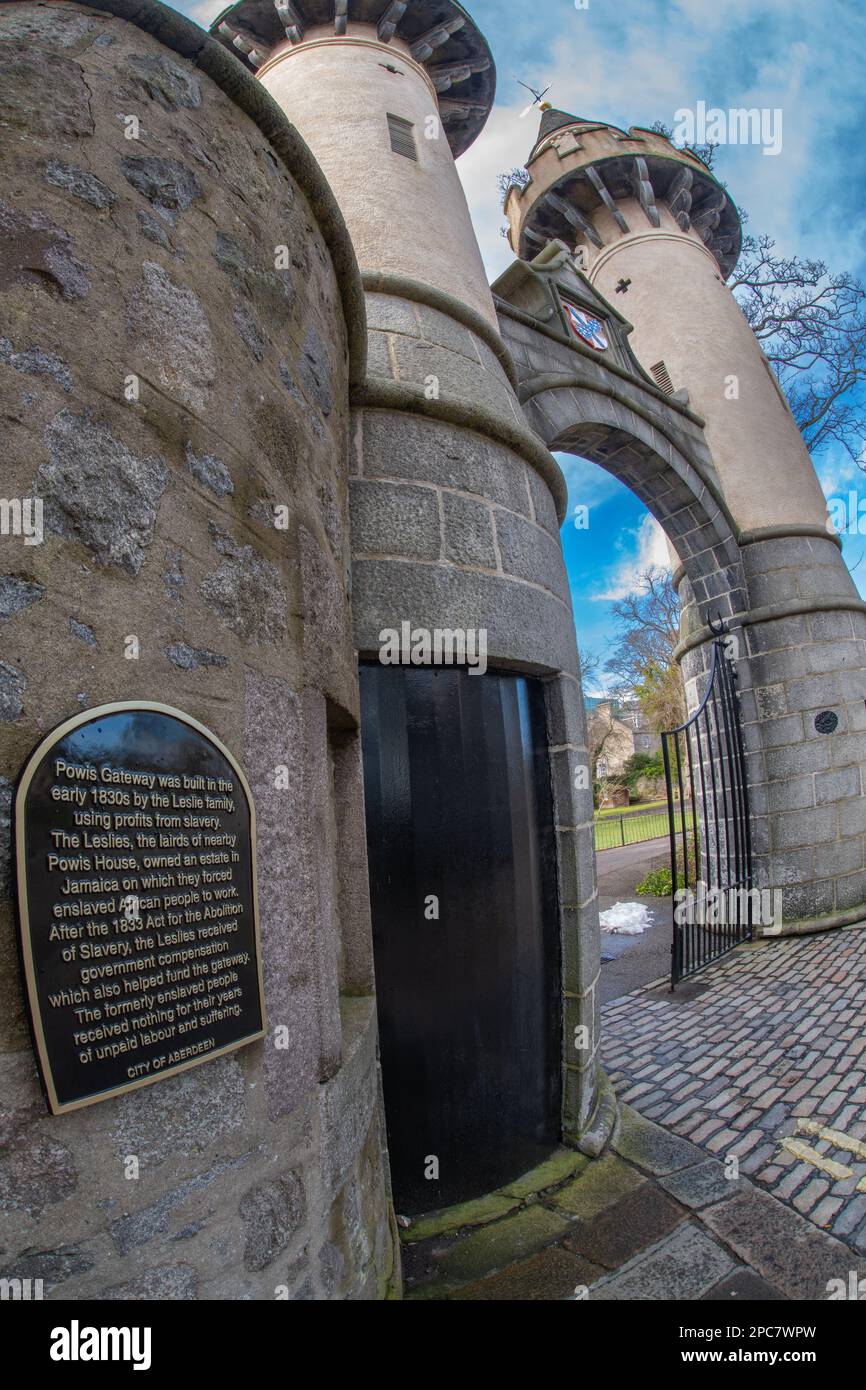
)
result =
(658, 237)
(455, 504)
(176, 396)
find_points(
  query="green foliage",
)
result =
(642, 765)
(659, 883)
(661, 695)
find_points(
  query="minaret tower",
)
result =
(658, 236)
(455, 509)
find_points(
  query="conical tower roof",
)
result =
(552, 119)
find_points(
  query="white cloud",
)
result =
(504, 144)
(648, 547)
(839, 474)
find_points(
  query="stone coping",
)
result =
(404, 287)
(382, 393)
(781, 531)
(794, 608)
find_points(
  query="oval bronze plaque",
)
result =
(135, 853)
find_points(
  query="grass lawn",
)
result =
(631, 810)
(614, 829)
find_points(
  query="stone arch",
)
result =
(666, 466)
(784, 591)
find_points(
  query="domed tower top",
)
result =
(438, 34)
(582, 174)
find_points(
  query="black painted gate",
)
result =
(462, 873)
(709, 826)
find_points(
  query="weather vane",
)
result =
(537, 97)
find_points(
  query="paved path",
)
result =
(631, 961)
(763, 1057)
(738, 1167)
(653, 1219)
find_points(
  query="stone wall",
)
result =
(455, 512)
(802, 679)
(180, 405)
(455, 503)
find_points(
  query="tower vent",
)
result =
(662, 377)
(402, 139)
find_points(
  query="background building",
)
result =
(618, 729)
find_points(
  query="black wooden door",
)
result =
(459, 824)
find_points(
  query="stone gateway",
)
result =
(267, 423)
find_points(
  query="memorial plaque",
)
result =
(135, 844)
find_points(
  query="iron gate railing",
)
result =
(710, 838)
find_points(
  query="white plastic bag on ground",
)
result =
(626, 919)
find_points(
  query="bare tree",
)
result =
(599, 718)
(643, 662)
(648, 626)
(705, 153)
(812, 326)
(517, 175)
(601, 727)
(590, 665)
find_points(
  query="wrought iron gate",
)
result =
(709, 825)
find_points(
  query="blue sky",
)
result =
(633, 62)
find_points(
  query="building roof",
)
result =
(552, 120)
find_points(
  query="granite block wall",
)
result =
(180, 315)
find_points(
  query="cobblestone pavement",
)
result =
(653, 1219)
(763, 1057)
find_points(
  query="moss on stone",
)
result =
(603, 1183)
(493, 1247)
(479, 1212)
(562, 1164)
